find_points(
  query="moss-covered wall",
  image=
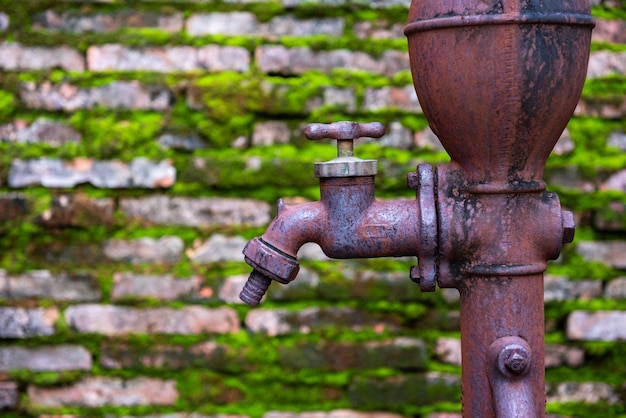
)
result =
(142, 143)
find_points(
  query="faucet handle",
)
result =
(345, 133)
(346, 164)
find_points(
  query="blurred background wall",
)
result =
(142, 143)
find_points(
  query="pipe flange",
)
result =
(425, 274)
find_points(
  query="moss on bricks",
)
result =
(111, 136)
(8, 104)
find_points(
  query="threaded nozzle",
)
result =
(255, 288)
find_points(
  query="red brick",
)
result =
(102, 391)
(119, 320)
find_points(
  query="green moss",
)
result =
(108, 135)
(7, 105)
(585, 410)
(576, 267)
(605, 12)
(46, 378)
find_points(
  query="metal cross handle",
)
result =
(345, 133)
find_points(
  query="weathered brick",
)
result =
(616, 181)
(115, 57)
(9, 395)
(206, 355)
(601, 325)
(306, 286)
(559, 289)
(604, 63)
(448, 350)
(163, 287)
(4, 25)
(565, 145)
(616, 289)
(115, 95)
(119, 320)
(581, 392)
(167, 249)
(198, 212)
(559, 355)
(271, 133)
(403, 98)
(312, 251)
(230, 289)
(77, 211)
(24, 323)
(50, 358)
(42, 284)
(290, 61)
(173, 415)
(246, 23)
(612, 31)
(232, 23)
(43, 130)
(340, 98)
(338, 413)
(400, 353)
(377, 4)
(397, 136)
(16, 57)
(280, 321)
(106, 391)
(80, 22)
(356, 285)
(188, 142)
(218, 248)
(606, 107)
(617, 139)
(570, 177)
(407, 389)
(13, 206)
(378, 29)
(610, 253)
(427, 139)
(113, 174)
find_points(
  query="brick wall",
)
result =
(143, 143)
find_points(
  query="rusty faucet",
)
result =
(498, 81)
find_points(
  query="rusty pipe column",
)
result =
(498, 81)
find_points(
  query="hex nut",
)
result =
(569, 226)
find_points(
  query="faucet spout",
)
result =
(347, 222)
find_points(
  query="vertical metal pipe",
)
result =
(492, 308)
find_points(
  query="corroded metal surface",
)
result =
(498, 81)
(347, 222)
(510, 360)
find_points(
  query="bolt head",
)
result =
(516, 362)
(569, 226)
(412, 180)
(514, 359)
